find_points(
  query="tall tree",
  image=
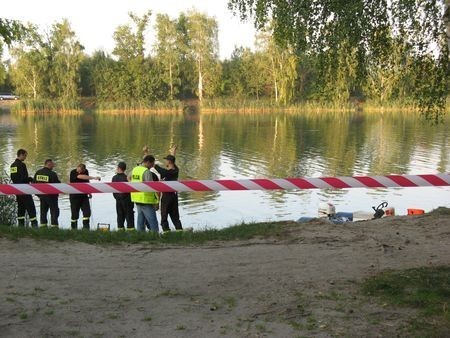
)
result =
(253, 68)
(130, 50)
(66, 54)
(282, 65)
(202, 32)
(168, 50)
(389, 78)
(30, 70)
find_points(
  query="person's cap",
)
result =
(170, 158)
(122, 165)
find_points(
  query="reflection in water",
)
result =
(242, 146)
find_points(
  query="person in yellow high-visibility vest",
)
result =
(147, 203)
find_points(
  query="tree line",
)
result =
(183, 63)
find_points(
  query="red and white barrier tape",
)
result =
(391, 181)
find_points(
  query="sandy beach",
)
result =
(304, 282)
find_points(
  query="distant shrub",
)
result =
(7, 204)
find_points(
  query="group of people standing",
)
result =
(147, 203)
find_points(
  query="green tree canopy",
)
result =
(11, 30)
(363, 29)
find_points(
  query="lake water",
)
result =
(242, 146)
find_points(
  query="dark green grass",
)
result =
(424, 289)
(441, 211)
(238, 232)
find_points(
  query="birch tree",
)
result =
(202, 32)
(168, 50)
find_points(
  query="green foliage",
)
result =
(334, 53)
(202, 38)
(65, 52)
(169, 51)
(351, 39)
(10, 31)
(30, 71)
(48, 67)
(7, 204)
(282, 65)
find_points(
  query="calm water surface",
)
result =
(242, 146)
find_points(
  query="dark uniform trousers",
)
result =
(169, 207)
(25, 204)
(125, 212)
(49, 203)
(77, 203)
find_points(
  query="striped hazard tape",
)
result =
(390, 181)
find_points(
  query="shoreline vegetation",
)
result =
(330, 71)
(245, 231)
(238, 232)
(213, 106)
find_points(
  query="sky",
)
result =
(94, 21)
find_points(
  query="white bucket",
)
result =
(326, 210)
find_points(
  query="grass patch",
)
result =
(441, 211)
(140, 107)
(45, 106)
(238, 232)
(425, 289)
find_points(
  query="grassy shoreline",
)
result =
(215, 106)
(243, 231)
(237, 232)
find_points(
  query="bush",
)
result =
(7, 204)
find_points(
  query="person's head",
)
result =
(121, 167)
(49, 164)
(81, 168)
(22, 154)
(148, 161)
(170, 161)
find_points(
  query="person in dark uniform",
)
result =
(48, 202)
(80, 201)
(124, 206)
(25, 203)
(169, 200)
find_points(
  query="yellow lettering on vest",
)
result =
(13, 170)
(41, 178)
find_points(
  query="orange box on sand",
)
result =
(415, 212)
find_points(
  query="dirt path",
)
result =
(303, 284)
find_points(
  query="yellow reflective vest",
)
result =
(137, 175)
